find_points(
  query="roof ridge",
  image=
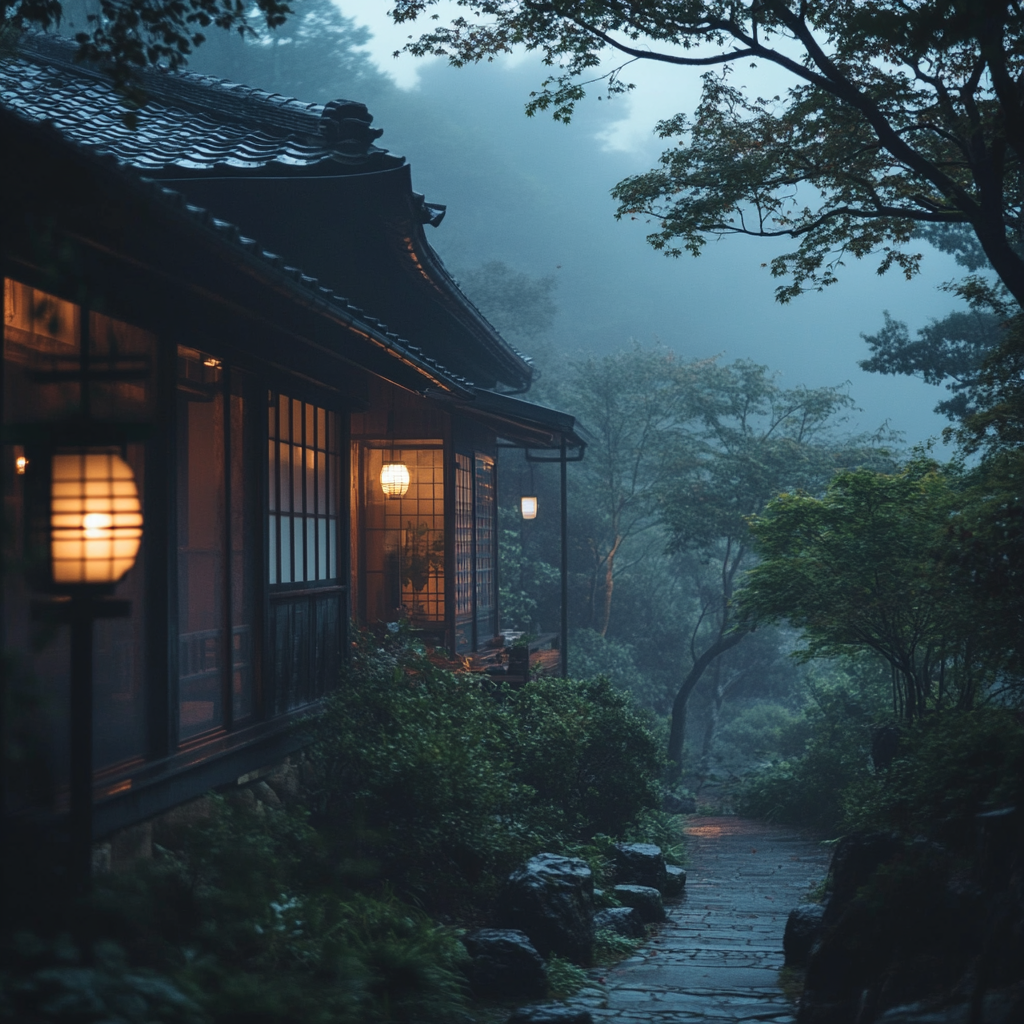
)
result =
(206, 94)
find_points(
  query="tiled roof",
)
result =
(191, 122)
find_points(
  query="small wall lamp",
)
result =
(528, 506)
(394, 479)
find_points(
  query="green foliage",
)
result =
(565, 979)
(952, 350)
(950, 768)
(591, 654)
(443, 784)
(660, 829)
(242, 922)
(585, 750)
(524, 579)
(864, 145)
(758, 731)
(413, 763)
(807, 787)
(861, 569)
(46, 982)
(610, 947)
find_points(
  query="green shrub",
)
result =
(586, 750)
(807, 788)
(445, 783)
(248, 919)
(950, 768)
(761, 730)
(414, 774)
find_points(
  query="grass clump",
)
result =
(565, 979)
(610, 947)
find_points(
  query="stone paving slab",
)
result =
(717, 958)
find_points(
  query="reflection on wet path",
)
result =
(717, 958)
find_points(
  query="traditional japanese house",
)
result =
(236, 299)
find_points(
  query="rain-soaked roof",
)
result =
(190, 122)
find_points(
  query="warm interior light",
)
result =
(528, 506)
(211, 362)
(19, 465)
(95, 517)
(394, 479)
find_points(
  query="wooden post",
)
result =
(563, 641)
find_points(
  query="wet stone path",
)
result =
(718, 956)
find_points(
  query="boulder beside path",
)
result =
(551, 899)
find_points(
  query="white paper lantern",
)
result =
(394, 479)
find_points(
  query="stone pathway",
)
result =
(717, 957)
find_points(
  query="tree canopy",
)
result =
(901, 113)
(863, 569)
(126, 35)
(950, 351)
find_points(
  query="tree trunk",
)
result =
(609, 584)
(677, 730)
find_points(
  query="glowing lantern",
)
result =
(394, 479)
(528, 506)
(95, 518)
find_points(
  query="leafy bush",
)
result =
(761, 730)
(592, 655)
(807, 788)
(444, 782)
(413, 773)
(423, 783)
(951, 767)
(586, 751)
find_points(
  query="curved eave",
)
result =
(137, 224)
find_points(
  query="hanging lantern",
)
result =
(95, 518)
(528, 506)
(394, 479)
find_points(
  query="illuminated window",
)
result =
(404, 536)
(486, 554)
(463, 553)
(305, 470)
(61, 364)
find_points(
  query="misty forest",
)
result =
(774, 592)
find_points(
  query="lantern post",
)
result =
(89, 519)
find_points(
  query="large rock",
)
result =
(675, 880)
(504, 964)
(856, 858)
(552, 1013)
(646, 899)
(625, 921)
(551, 899)
(639, 864)
(803, 929)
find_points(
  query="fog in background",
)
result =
(535, 195)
